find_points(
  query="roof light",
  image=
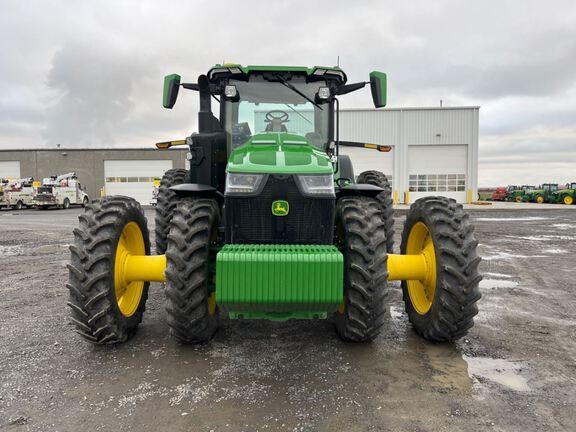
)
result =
(323, 92)
(230, 91)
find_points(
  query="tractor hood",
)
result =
(279, 153)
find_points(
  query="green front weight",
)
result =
(279, 282)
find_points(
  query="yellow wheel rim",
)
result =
(540, 199)
(212, 304)
(128, 294)
(518, 199)
(568, 200)
(422, 292)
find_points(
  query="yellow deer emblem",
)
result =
(280, 208)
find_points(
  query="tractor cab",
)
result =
(550, 187)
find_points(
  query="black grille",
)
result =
(250, 219)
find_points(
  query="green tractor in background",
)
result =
(270, 223)
(544, 194)
(566, 195)
(517, 193)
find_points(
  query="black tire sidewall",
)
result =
(166, 201)
(426, 320)
(131, 322)
(66, 203)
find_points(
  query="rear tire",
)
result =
(18, 205)
(362, 239)
(378, 178)
(95, 307)
(453, 306)
(66, 204)
(190, 299)
(165, 204)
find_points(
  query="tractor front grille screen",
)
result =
(309, 220)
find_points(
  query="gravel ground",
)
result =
(516, 370)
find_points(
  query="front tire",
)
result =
(18, 205)
(66, 204)
(442, 307)
(568, 200)
(362, 239)
(166, 202)
(378, 178)
(104, 310)
(190, 295)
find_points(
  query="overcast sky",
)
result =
(89, 73)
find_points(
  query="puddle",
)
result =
(507, 256)
(497, 283)
(500, 371)
(11, 251)
(542, 237)
(518, 219)
(450, 369)
(564, 226)
(555, 251)
(497, 275)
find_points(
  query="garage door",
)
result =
(133, 178)
(437, 170)
(368, 159)
(10, 169)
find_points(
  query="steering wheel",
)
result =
(277, 115)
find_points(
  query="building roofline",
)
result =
(446, 108)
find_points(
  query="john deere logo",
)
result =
(280, 208)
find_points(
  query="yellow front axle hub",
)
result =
(417, 267)
(132, 267)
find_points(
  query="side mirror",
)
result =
(171, 87)
(378, 88)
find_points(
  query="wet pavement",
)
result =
(515, 371)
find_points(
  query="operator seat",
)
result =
(276, 125)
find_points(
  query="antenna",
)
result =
(338, 61)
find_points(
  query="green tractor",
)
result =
(544, 194)
(565, 196)
(517, 194)
(271, 223)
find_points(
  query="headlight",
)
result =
(317, 185)
(243, 184)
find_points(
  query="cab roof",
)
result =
(234, 70)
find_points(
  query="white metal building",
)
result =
(434, 150)
(10, 169)
(134, 178)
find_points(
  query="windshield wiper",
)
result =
(295, 90)
(298, 113)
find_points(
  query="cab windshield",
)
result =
(271, 107)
